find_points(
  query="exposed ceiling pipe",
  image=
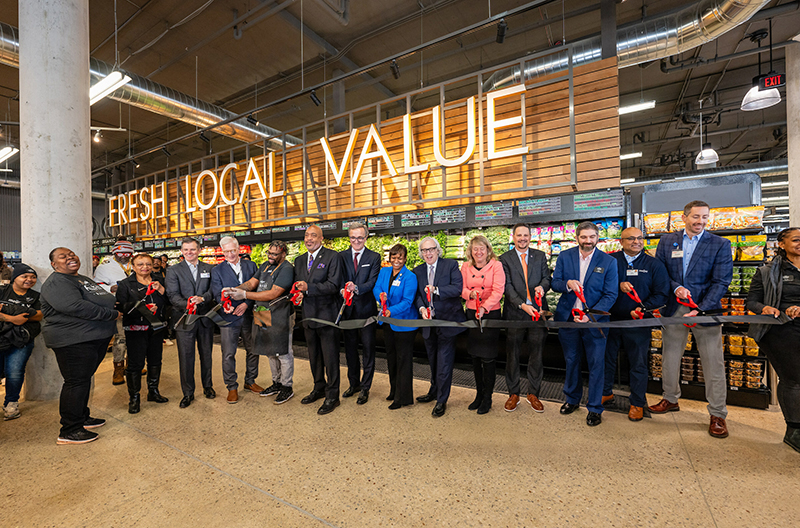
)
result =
(714, 133)
(159, 99)
(764, 169)
(687, 65)
(648, 40)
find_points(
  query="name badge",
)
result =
(677, 253)
(396, 283)
(633, 273)
(788, 278)
(205, 275)
(599, 269)
(365, 265)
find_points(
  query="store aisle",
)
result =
(259, 464)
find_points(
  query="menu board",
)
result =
(450, 216)
(265, 231)
(595, 201)
(347, 223)
(415, 219)
(537, 206)
(101, 249)
(495, 211)
(330, 226)
(238, 234)
(381, 222)
(301, 227)
(208, 238)
(138, 246)
(279, 229)
(158, 244)
(171, 242)
(148, 243)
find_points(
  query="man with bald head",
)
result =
(648, 278)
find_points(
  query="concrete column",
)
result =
(793, 129)
(55, 164)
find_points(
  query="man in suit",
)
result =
(318, 276)
(442, 280)
(190, 280)
(360, 267)
(595, 273)
(648, 277)
(233, 272)
(700, 267)
(527, 276)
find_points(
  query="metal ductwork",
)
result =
(157, 98)
(648, 40)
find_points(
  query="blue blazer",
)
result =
(400, 300)
(447, 305)
(709, 273)
(651, 283)
(600, 286)
(222, 276)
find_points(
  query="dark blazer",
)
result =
(516, 294)
(447, 304)
(709, 273)
(129, 292)
(322, 300)
(368, 268)
(651, 283)
(181, 286)
(399, 299)
(222, 276)
(600, 286)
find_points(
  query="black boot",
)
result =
(488, 386)
(134, 381)
(792, 437)
(477, 369)
(153, 377)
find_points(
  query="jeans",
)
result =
(229, 343)
(77, 364)
(14, 361)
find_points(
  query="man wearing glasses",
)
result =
(644, 277)
(360, 267)
(440, 280)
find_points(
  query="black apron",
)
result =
(273, 340)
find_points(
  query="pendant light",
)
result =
(707, 156)
(756, 99)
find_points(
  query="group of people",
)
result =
(256, 304)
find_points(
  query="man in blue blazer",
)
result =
(700, 267)
(442, 278)
(360, 268)
(588, 269)
(229, 274)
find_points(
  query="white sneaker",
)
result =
(168, 342)
(11, 411)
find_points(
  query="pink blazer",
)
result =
(489, 281)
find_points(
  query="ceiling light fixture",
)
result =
(632, 155)
(97, 136)
(7, 153)
(644, 105)
(767, 199)
(626, 181)
(775, 184)
(502, 27)
(707, 156)
(252, 120)
(108, 84)
(314, 97)
(755, 98)
(395, 69)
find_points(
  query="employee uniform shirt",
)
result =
(790, 292)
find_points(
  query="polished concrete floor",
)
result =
(259, 464)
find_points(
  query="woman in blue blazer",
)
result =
(399, 285)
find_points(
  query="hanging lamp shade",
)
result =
(756, 99)
(707, 156)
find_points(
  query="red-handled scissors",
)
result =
(191, 307)
(430, 302)
(348, 301)
(296, 296)
(227, 304)
(383, 304)
(586, 310)
(478, 309)
(640, 315)
(151, 289)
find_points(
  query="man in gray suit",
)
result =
(527, 276)
(190, 281)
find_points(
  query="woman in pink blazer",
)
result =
(484, 283)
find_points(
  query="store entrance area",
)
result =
(256, 463)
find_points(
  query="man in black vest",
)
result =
(360, 267)
(319, 277)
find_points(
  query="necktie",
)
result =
(355, 262)
(430, 275)
(525, 273)
(310, 261)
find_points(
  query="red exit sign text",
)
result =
(773, 80)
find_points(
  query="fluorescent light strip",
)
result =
(775, 184)
(110, 83)
(626, 180)
(7, 152)
(774, 198)
(632, 155)
(645, 105)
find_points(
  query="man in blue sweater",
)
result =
(645, 277)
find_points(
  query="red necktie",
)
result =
(355, 262)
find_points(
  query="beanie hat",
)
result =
(123, 246)
(21, 269)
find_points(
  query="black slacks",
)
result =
(323, 357)
(366, 336)
(203, 336)
(77, 364)
(400, 360)
(144, 345)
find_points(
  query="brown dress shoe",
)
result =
(605, 399)
(254, 387)
(233, 396)
(535, 403)
(664, 406)
(635, 413)
(512, 402)
(718, 428)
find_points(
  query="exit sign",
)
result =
(771, 80)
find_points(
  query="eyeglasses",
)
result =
(634, 239)
(427, 250)
(358, 239)
(271, 254)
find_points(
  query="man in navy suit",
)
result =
(318, 275)
(190, 280)
(360, 268)
(231, 273)
(700, 267)
(442, 279)
(588, 269)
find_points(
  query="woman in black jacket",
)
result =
(775, 291)
(141, 299)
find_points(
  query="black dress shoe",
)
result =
(186, 401)
(311, 398)
(439, 409)
(569, 408)
(328, 406)
(363, 397)
(394, 406)
(390, 397)
(351, 391)
(209, 393)
(427, 398)
(593, 419)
